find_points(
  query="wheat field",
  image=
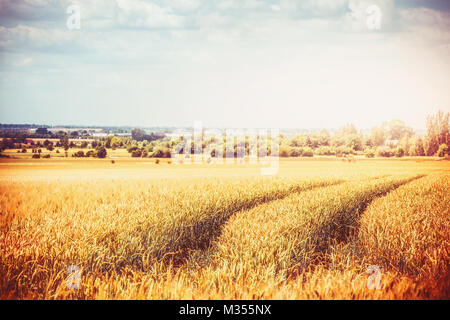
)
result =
(137, 230)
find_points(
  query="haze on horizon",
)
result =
(226, 63)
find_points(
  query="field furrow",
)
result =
(405, 234)
(394, 230)
(289, 235)
(114, 228)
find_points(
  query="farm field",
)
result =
(134, 229)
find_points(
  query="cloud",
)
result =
(184, 6)
(14, 12)
(22, 35)
(426, 26)
(314, 8)
(139, 14)
(25, 38)
(24, 62)
(98, 13)
(438, 5)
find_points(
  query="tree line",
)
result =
(390, 139)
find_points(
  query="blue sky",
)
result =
(227, 63)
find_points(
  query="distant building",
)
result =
(99, 134)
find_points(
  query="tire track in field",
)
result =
(181, 248)
(347, 222)
(202, 233)
(288, 235)
(419, 214)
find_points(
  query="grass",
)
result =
(140, 230)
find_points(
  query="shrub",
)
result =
(399, 152)
(47, 156)
(78, 154)
(36, 156)
(343, 151)
(101, 152)
(296, 152)
(325, 151)
(166, 153)
(24, 150)
(131, 149)
(443, 150)
(90, 153)
(307, 152)
(284, 152)
(369, 153)
(157, 161)
(158, 153)
(385, 152)
(136, 153)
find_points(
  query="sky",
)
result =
(226, 63)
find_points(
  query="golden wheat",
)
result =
(305, 234)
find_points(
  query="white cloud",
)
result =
(140, 14)
(314, 8)
(184, 5)
(31, 37)
(24, 62)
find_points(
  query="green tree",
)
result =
(116, 142)
(378, 136)
(354, 142)
(42, 131)
(64, 142)
(443, 150)
(138, 134)
(347, 129)
(417, 147)
(396, 129)
(384, 152)
(399, 152)
(108, 142)
(101, 152)
(369, 153)
(136, 153)
(437, 132)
